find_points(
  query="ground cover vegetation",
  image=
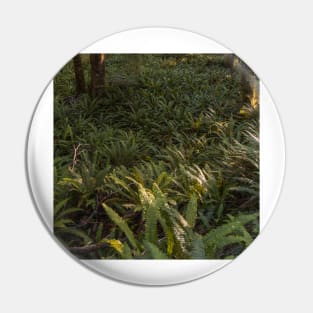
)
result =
(163, 164)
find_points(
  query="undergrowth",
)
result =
(164, 166)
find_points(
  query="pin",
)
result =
(155, 156)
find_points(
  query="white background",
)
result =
(275, 273)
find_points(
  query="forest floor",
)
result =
(164, 165)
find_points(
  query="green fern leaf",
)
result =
(197, 248)
(126, 253)
(191, 211)
(151, 204)
(78, 233)
(99, 232)
(59, 205)
(154, 251)
(62, 222)
(246, 218)
(69, 211)
(122, 224)
(169, 233)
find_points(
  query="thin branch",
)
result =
(74, 162)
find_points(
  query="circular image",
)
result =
(144, 156)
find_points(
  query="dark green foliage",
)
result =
(164, 165)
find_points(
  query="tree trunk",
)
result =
(229, 60)
(79, 75)
(249, 81)
(97, 87)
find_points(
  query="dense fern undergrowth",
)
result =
(164, 165)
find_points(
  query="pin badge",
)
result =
(155, 156)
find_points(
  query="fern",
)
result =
(151, 206)
(62, 222)
(68, 211)
(59, 206)
(191, 211)
(233, 232)
(166, 164)
(198, 248)
(99, 232)
(169, 234)
(154, 251)
(122, 224)
(76, 232)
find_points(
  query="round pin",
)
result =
(155, 156)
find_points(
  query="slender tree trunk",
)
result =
(79, 75)
(229, 60)
(97, 85)
(249, 81)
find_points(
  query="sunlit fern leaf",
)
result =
(163, 179)
(174, 226)
(169, 234)
(152, 202)
(129, 193)
(74, 183)
(180, 247)
(146, 197)
(154, 251)
(151, 219)
(122, 224)
(175, 215)
(115, 244)
(178, 225)
(138, 175)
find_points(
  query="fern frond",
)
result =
(76, 232)
(154, 251)
(122, 224)
(63, 222)
(233, 232)
(191, 211)
(68, 211)
(169, 234)
(99, 232)
(59, 205)
(197, 248)
(246, 218)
